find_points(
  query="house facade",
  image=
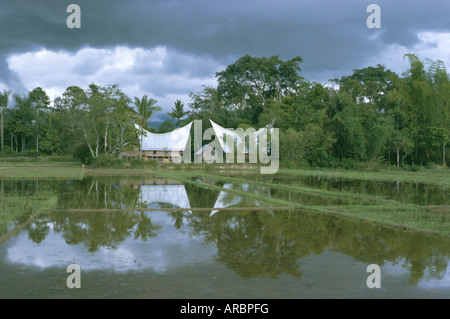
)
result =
(162, 147)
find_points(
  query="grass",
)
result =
(20, 211)
(405, 216)
(41, 170)
(290, 187)
(439, 177)
(117, 172)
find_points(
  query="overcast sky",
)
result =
(169, 48)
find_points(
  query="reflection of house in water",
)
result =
(168, 193)
(225, 199)
(174, 195)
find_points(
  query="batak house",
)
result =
(228, 141)
(163, 147)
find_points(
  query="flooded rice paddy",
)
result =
(160, 237)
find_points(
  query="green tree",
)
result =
(123, 129)
(440, 128)
(39, 102)
(144, 111)
(208, 105)
(116, 111)
(369, 89)
(369, 84)
(166, 126)
(346, 122)
(178, 112)
(4, 98)
(426, 108)
(250, 81)
(68, 120)
(23, 117)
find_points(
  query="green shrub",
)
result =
(83, 154)
(30, 153)
(347, 163)
(107, 161)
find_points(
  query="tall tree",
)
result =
(369, 84)
(123, 129)
(425, 113)
(23, 118)
(144, 111)
(250, 81)
(178, 112)
(4, 98)
(440, 128)
(39, 101)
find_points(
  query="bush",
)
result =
(295, 164)
(8, 152)
(347, 163)
(107, 161)
(30, 153)
(83, 154)
(110, 161)
(412, 168)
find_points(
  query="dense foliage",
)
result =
(372, 115)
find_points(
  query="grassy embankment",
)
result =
(439, 177)
(16, 213)
(365, 207)
(41, 170)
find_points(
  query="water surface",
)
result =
(162, 246)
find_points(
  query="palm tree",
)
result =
(178, 112)
(145, 108)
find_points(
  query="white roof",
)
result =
(220, 133)
(171, 141)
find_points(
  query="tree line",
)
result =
(372, 115)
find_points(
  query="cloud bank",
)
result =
(168, 48)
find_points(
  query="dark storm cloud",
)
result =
(329, 35)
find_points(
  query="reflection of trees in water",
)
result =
(252, 243)
(260, 244)
(369, 243)
(251, 249)
(38, 230)
(403, 192)
(95, 230)
(145, 228)
(104, 192)
(177, 218)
